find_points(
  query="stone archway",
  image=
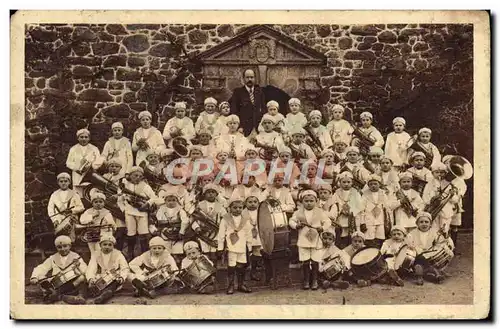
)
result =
(280, 63)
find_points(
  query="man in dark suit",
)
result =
(248, 103)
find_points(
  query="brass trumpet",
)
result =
(406, 204)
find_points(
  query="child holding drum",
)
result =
(198, 272)
(152, 270)
(434, 250)
(67, 268)
(333, 263)
(390, 249)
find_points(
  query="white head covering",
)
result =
(204, 131)
(250, 147)
(345, 174)
(376, 150)
(285, 149)
(294, 101)
(308, 192)
(352, 149)
(97, 195)
(399, 228)
(114, 161)
(424, 130)
(439, 166)
(62, 239)
(210, 100)
(338, 107)
(65, 175)
(180, 105)
(210, 186)
(399, 120)
(366, 115)
(315, 113)
(223, 104)
(327, 151)
(136, 168)
(424, 214)
(82, 131)
(267, 117)
(190, 245)
(157, 241)
(417, 154)
(374, 177)
(358, 234)
(145, 114)
(233, 118)
(405, 174)
(273, 104)
(327, 187)
(195, 147)
(107, 237)
(235, 198)
(298, 131)
(117, 125)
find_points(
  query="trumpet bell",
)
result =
(179, 145)
(459, 166)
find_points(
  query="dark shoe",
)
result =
(363, 283)
(73, 300)
(102, 298)
(325, 284)
(149, 293)
(419, 281)
(241, 281)
(400, 283)
(273, 284)
(439, 279)
(254, 276)
(230, 280)
(340, 285)
(244, 288)
(314, 275)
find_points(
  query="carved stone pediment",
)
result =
(261, 45)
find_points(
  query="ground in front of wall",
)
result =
(457, 289)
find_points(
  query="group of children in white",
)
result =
(341, 193)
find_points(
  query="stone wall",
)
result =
(91, 75)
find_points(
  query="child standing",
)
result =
(146, 138)
(368, 130)
(235, 231)
(57, 263)
(157, 257)
(295, 118)
(106, 260)
(329, 167)
(118, 147)
(64, 207)
(215, 210)
(224, 112)
(339, 155)
(82, 157)
(348, 208)
(251, 211)
(278, 119)
(410, 203)
(339, 128)
(310, 221)
(376, 213)
(318, 130)
(116, 176)
(396, 143)
(281, 193)
(172, 223)
(135, 208)
(372, 163)
(208, 119)
(389, 175)
(206, 143)
(423, 144)
(98, 216)
(300, 150)
(250, 164)
(179, 126)
(421, 175)
(268, 139)
(232, 139)
(359, 173)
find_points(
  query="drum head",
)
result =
(364, 256)
(266, 227)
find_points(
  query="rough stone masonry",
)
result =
(80, 75)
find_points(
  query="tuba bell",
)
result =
(458, 167)
(180, 146)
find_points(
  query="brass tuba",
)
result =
(458, 167)
(209, 227)
(180, 146)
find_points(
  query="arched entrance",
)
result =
(284, 67)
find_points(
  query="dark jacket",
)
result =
(249, 114)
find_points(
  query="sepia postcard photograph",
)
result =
(250, 165)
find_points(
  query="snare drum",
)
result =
(439, 256)
(197, 275)
(368, 264)
(405, 258)
(273, 227)
(158, 278)
(103, 282)
(334, 268)
(67, 276)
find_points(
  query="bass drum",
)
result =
(368, 264)
(273, 227)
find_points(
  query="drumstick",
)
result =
(61, 271)
(60, 212)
